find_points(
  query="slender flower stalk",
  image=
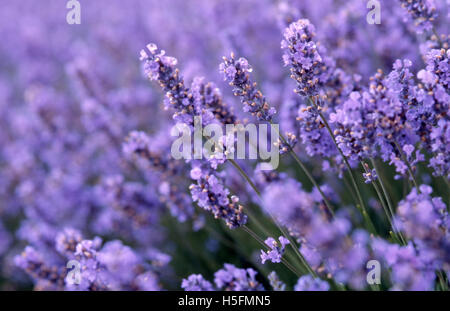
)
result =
(386, 210)
(362, 205)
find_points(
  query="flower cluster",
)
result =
(422, 12)
(229, 278)
(196, 282)
(236, 72)
(211, 195)
(160, 67)
(309, 68)
(112, 266)
(276, 250)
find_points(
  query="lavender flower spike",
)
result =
(276, 249)
(308, 67)
(158, 66)
(423, 13)
(211, 195)
(236, 72)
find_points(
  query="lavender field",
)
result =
(356, 93)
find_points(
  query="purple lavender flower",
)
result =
(66, 241)
(158, 66)
(288, 144)
(422, 12)
(430, 116)
(275, 282)
(440, 146)
(212, 196)
(208, 95)
(276, 250)
(296, 213)
(424, 220)
(236, 72)
(47, 277)
(308, 67)
(313, 134)
(308, 283)
(134, 200)
(410, 269)
(370, 176)
(196, 282)
(235, 279)
(138, 143)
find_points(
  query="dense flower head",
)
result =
(313, 134)
(236, 72)
(46, 276)
(432, 98)
(376, 120)
(276, 249)
(208, 95)
(430, 117)
(423, 220)
(308, 66)
(211, 195)
(437, 70)
(179, 98)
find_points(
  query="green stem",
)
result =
(442, 281)
(383, 187)
(307, 173)
(362, 206)
(407, 165)
(437, 37)
(388, 214)
(246, 177)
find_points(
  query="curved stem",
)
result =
(386, 210)
(362, 206)
(307, 173)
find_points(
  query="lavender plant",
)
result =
(92, 199)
